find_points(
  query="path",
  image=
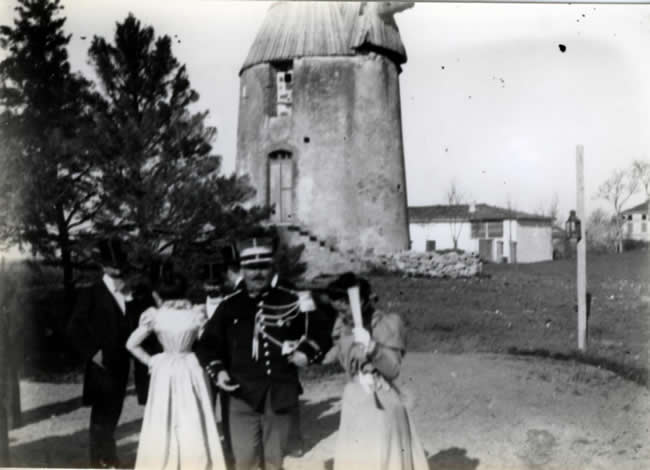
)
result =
(473, 412)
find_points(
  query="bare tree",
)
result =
(553, 208)
(617, 190)
(454, 198)
(547, 211)
(641, 173)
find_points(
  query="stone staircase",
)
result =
(322, 257)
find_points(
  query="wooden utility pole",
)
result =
(581, 251)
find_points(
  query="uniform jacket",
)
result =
(227, 343)
(97, 323)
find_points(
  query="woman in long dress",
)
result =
(376, 431)
(179, 428)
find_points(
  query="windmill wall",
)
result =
(345, 139)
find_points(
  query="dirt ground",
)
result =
(472, 412)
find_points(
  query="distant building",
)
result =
(496, 234)
(635, 223)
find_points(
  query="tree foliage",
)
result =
(161, 182)
(601, 231)
(47, 186)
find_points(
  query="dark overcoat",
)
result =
(97, 323)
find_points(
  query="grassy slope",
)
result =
(531, 307)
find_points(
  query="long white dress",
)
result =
(178, 429)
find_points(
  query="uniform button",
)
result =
(266, 353)
(268, 362)
(268, 371)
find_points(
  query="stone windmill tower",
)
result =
(320, 129)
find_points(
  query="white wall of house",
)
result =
(532, 241)
(636, 227)
(440, 232)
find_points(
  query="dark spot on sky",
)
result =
(562, 48)
(577, 21)
(179, 41)
(83, 38)
(469, 97)
(584, 16)
(446, 149)
(443, 67)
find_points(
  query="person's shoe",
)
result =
(107, 464)
(297, 452)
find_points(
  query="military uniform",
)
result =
(250, 338)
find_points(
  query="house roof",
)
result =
(461, 211)
(306, 29)
(643, 208)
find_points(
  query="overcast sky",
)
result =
(488, 98)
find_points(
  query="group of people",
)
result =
(247, 351)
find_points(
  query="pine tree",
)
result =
(47, 180)
(162, 185)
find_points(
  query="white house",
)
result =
(496, 234)
(635, 223)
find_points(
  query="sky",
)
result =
(488, 99)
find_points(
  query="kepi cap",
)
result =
(256, 252)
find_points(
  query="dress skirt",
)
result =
(376, 432)
(179, 429)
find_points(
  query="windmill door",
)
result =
(281, 186)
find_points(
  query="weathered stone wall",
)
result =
(439, 265)
(346, 139)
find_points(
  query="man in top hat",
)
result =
(252, 347)
(102, 318)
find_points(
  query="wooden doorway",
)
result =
(485, 249)
(281, 186)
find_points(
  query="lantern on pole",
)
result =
(573, 227)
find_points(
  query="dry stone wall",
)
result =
(429, 264)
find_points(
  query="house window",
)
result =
(495, 229)
(629, 228)
(644, 216)
(644, 227)
(431, 245)
(477, 231)
(629, 217)
(492, 229)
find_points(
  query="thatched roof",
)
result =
(314, 29)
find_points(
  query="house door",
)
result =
(513, 252)
(281, 186)
(485, 249)
(499, 258)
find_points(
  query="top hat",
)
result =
(256, 252)
(111, 253)
(229, 255)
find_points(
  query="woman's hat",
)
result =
(338, 289)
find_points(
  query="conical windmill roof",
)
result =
(311, 29)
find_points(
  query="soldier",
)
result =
(252, 347)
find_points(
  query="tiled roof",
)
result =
(461, 211)
(643, 208)
(307, 29)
